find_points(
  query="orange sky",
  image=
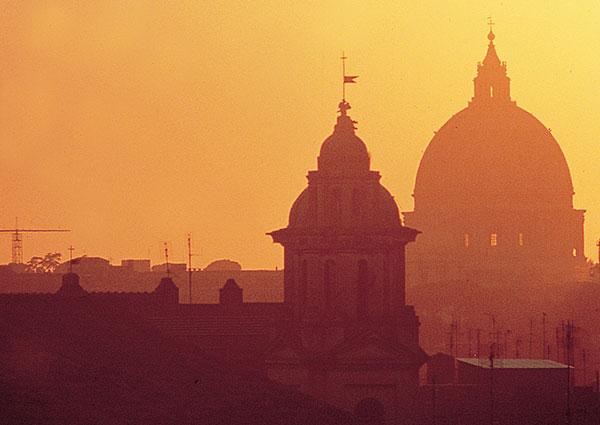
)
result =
(134, 123)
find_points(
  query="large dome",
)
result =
(494, 196)
(493, 156)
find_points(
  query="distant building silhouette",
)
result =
(140, 266)
(98, 275)
(171, 267)
(85, 265)
(222, 265)
(493, 195)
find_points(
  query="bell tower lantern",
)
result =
(344, 245)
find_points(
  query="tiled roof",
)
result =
(108, 365)
(217, 325)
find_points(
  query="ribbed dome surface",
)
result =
(373, 208)
(493, 156)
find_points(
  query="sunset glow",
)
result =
(138, 124)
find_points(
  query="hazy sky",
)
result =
(134, 123)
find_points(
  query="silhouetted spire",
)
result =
(491, 58)
(343, 152)
(346, 79)
(492, 85)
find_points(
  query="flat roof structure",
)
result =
(484, 363)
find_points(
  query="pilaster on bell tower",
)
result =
(492, 84)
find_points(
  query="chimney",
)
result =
(167, 291)
(231, 294)
(70, 287)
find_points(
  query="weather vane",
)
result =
(346, 79)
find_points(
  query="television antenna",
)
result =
(17, 239)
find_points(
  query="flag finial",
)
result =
(346, 79)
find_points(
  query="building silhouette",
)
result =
(79, 357)
(493, 195)
(352, 336)
(98, 275)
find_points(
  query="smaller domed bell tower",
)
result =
(344, 245)
(344, 282)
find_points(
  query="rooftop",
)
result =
(513, 363)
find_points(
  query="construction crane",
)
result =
(17, 241)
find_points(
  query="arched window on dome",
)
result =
(520, 239)
(328, 282)
(494, 239)
(466, 240)
(362, 294)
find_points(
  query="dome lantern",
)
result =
(492, 85)
(344, 152)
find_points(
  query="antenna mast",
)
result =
(343, 58)
(17, 239)
(189, 241)
(531, 338)
(71, 249)
(167, 260)
(346, 79)
(544, 336)
(568, 348)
